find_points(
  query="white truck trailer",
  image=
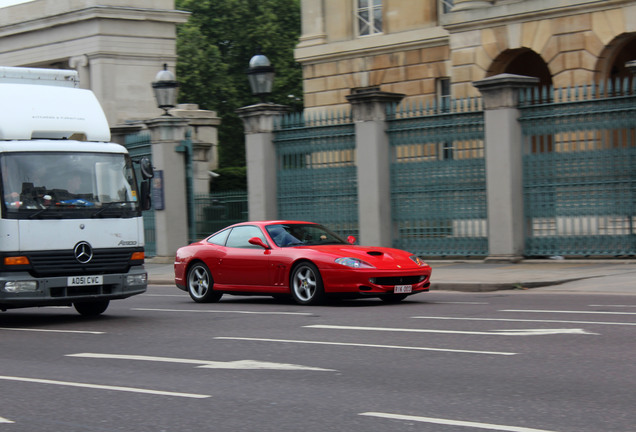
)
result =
(71, 230)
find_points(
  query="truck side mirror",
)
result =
(147, 171)
(146, 200)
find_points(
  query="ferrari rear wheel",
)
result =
(200, 284)
(306, 284)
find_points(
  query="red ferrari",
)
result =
(301, 259)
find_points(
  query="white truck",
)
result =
(71, 230)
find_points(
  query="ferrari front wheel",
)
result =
(306, 284)
(200, 284)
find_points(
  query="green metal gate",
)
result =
(579, 171)
(139, 145)
(438, 180)
(317, 179)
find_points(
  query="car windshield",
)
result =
(285, 235)
(68, 185)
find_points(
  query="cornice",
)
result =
(523, 11)
(373, 45)
(92, 13)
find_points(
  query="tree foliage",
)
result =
(214, 48)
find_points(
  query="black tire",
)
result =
(199, 283)
(393, 298)
(306, 284)
(91, 308)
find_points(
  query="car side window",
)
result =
(240, 235)
(220, 238)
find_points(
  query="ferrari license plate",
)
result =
(400, 289)
(85, 280)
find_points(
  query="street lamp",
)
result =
(165, 89)
(261, 76)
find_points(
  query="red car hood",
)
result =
(379, 257)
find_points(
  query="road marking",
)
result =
(4, 420)
(223, 311)
(452, 422)
(616, 306)
(52, 331)
(523, 332)
(567, 312)
(524, 320)
(105, 387)
(367, 345)
(208, 364)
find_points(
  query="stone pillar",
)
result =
(373, 164)
(459, 5)
(504, 168)
(203, 125)
(312, 23)
(260, 156)
(171, 223)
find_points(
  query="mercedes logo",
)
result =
(83, 252)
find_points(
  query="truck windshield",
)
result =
(68, 185)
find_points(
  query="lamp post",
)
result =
(261, 76)
(165, 89)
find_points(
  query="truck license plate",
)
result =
(85, 280)
(400, 289)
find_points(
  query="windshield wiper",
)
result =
(108, 205)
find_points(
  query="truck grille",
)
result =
(55, 263)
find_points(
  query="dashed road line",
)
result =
(367, 345)
(567, 312)
(51, 330)
(449, 422)
(521, 332)
(105, 387)
(524, 320)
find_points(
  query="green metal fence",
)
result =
(216, 211)
(579, 170)
(317, 178)
(438, 181)
(139, 145)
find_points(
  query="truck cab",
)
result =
(71, 228)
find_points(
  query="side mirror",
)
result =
(145, 199)
(351, 240)
(147, 172)
(258, 242)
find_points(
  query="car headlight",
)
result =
(417, 260)
(353, 263)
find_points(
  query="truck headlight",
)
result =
(15, 287)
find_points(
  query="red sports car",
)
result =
(301, 259)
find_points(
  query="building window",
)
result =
(447, 5)
(444, 93)
(369, 17)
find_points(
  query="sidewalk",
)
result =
(602, 276)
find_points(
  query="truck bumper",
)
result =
(17, 289)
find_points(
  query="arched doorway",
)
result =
(611, 63)
(522, 61)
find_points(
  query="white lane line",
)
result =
(208, 364)
(4, 420)
(567, 312)
(521, 332)
(616, 306)
(367, 345)
(452, 422)
(222, 311)
(105, 387)
(524, 320)
(52, 331)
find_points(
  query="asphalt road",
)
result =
(522, 361)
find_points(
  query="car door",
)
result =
(245, 266)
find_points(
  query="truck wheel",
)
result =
(91, 308)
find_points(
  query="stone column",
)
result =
(459, 5)
(171, 223)
(504, 168)
(312, 23)
(203, 125)
(373, 164)
(260, 156)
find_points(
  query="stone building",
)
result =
(430, 49)
(117, 46)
